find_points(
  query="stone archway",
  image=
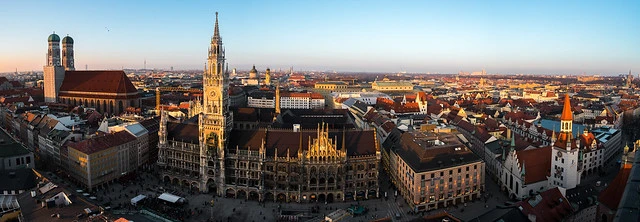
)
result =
(330, 198)
(211, 185)
(269, 196)
(254, 196)
(194, 185)
(230, 193)
(281, 197)
(322, 198)
(360, 194)
(175, 181)
(185, 183)
(313, 196)
(166, 179)
(241, 194)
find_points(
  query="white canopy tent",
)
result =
(135, 200)
(171, 198)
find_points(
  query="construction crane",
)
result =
(172, 89)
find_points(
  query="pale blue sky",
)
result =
(416, 36)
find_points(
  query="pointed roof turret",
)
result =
(567, 115)
(513, 142)
(216, 31)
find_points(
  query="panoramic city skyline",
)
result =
(435, 37)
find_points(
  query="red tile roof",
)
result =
(102, 142)
(97, 81)
(537, 164)
(303, 95)
(587, 139)
(611, 195)
(280, 141)
(562, 141)
(548, 206)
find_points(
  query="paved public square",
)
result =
(118, 197)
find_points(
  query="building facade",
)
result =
(205, 153)
(101, 159)
(389, 85)
(433, 170)
(331, 85)
(291, 100)
(566, 156)
(261, 99)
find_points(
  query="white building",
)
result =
(369, 98)
(566, 159)
(611, 140)
(293, 100)
(524, 172)
(261, 99)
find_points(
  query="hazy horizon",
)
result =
(547, 37)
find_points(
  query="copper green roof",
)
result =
(67, 39)
(54, 38)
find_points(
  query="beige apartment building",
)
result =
(433, 170)
(102, 158)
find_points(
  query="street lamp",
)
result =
(212, 202)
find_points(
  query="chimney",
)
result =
(296, 128)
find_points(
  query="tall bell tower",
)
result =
(53, 71)
(215, 122)
(566, 157)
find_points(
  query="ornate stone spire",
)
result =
(216, 31)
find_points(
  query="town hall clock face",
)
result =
(213, 93)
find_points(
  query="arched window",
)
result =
(120, 107)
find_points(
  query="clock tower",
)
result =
(215, 121)
(566, 157)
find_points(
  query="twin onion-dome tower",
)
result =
(53, 55)
(106, 91)
(57, 64)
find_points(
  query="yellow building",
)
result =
(389, 85)
(100, 159)
(331, 85)
(433, 170)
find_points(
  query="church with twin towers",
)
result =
(106, 91)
